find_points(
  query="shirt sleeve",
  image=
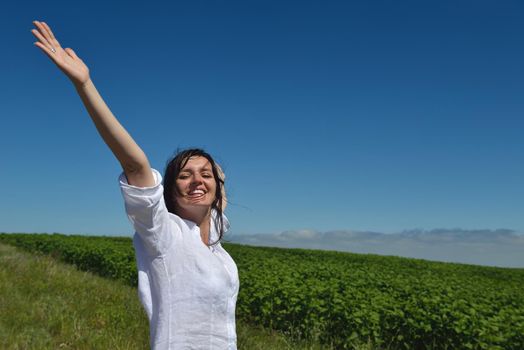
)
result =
(146, 209)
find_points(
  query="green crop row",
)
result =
(341, 298)
(112, 257)
(395, 303)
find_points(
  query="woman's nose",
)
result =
(197, 179)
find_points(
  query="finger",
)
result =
(41, 38)
(71, 53)
(42, 34)
(46, 50)
(42, 31)
(48, 30)
(50, 33)
(45, 31)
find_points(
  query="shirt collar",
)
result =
(214, 232)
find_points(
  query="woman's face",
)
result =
(196, 184)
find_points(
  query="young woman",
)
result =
(187, 283)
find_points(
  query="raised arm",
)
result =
(133, 160)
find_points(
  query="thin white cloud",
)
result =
(500, 247)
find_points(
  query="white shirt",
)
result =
(188, 290)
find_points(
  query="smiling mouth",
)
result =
(196, 194)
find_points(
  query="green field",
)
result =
(347, 300)
(45, 304)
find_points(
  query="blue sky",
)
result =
(364, 115)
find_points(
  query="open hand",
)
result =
(65, 59)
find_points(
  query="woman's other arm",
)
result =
(131, 157)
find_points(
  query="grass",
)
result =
(45, 304)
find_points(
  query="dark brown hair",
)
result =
(173, 168)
